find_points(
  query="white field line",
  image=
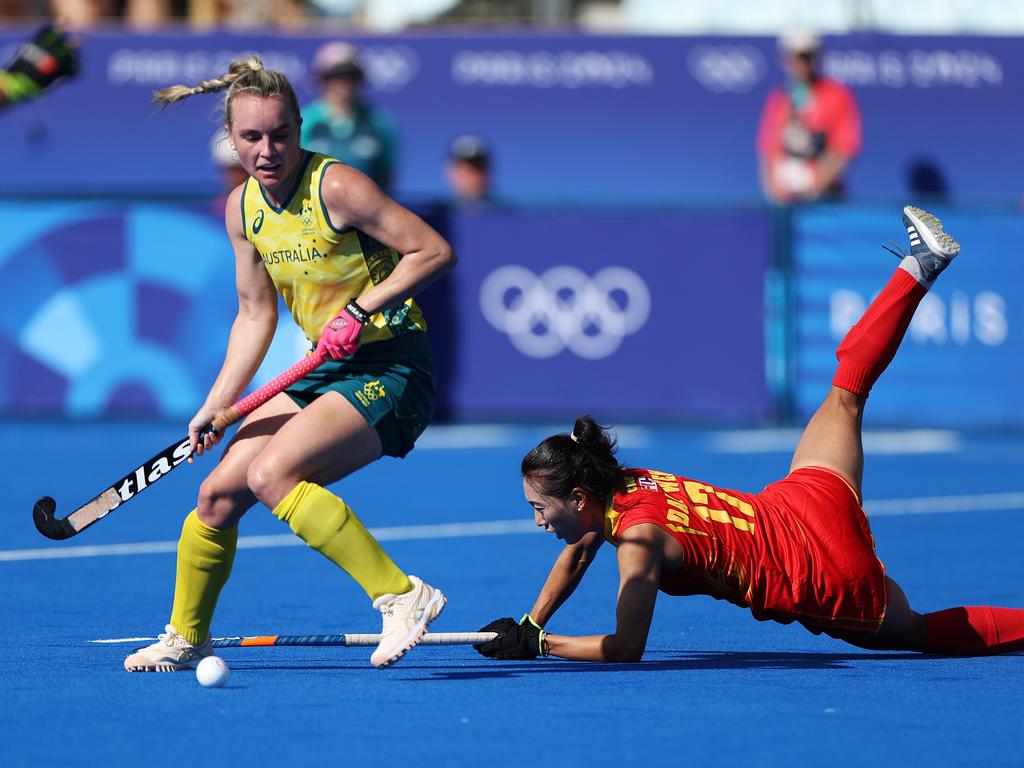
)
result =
(876, 442)
(879, 508)
(988, 502)
(394, 533)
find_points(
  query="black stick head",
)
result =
(43, 515)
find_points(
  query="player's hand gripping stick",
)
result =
(139, 479)
(340, 337)
(521, 641)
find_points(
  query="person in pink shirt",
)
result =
(810, 128)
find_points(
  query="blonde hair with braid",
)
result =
(245, 75)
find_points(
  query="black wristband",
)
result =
(357, 312)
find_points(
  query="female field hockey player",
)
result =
(801, 550)
(346, 260)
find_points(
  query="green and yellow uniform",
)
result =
(317, 268)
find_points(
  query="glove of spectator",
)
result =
(521, 641)
(38, 63)
(340, 337)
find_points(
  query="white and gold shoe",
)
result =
(406, 618)
(170, 653)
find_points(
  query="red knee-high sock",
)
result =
(975, 631)
(872, 343)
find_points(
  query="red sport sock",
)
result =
(975, 631)
(871, 344)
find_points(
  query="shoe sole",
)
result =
(932, 233)
(437, 603)
(157, 668)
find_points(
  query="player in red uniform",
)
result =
(801, 550)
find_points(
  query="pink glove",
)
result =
(340, 337)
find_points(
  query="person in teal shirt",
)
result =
(341, 124)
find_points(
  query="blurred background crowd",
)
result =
(613, 173)
(642, 16)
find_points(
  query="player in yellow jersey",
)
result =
(347, 260)
(800, 550)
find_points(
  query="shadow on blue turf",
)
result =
(693, 662)
(726, 660)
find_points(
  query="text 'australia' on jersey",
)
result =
(316, 268)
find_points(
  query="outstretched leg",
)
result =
(832, 438)
(979, 630)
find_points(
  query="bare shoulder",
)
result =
(351, 197)
(233, 210)
(342, 184)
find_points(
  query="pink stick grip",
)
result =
(275, 386)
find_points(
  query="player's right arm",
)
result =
(565, 576)
(641, 555)
(251, 332)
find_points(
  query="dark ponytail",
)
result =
(585, 459)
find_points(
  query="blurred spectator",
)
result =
(468, 170)
(38, 63)
(810, 128)
(926, 180)
(341, 124)
(231, 172)
(146, 14)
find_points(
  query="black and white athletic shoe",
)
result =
(930, 244)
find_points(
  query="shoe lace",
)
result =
(896, 251)
(170, 636)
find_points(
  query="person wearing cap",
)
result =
(810, 128)
(341, 124)
(468, 170)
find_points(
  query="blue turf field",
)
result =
(715, 688)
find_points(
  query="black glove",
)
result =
(524, 640)
(39, 62)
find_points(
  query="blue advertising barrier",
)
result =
(642, 314)
(963, 358)
(573, 118)
(113, 308)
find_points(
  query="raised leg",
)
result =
(832, 438)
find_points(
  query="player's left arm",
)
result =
(353, 200)
(641, 552)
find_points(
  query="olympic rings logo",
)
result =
(564, 308)
(726, 68)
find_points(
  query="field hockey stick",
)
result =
(143, 476)
(431, 638)
(350, 640)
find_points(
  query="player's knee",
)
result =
(218, 506)
(267, 481)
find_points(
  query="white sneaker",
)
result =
(406, 618)
(170, 653)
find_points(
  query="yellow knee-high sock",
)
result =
(328, 525)
(205, 556)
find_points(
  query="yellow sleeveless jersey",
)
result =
(316, 268)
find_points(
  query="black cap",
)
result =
(471, 149)
(337, 59)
